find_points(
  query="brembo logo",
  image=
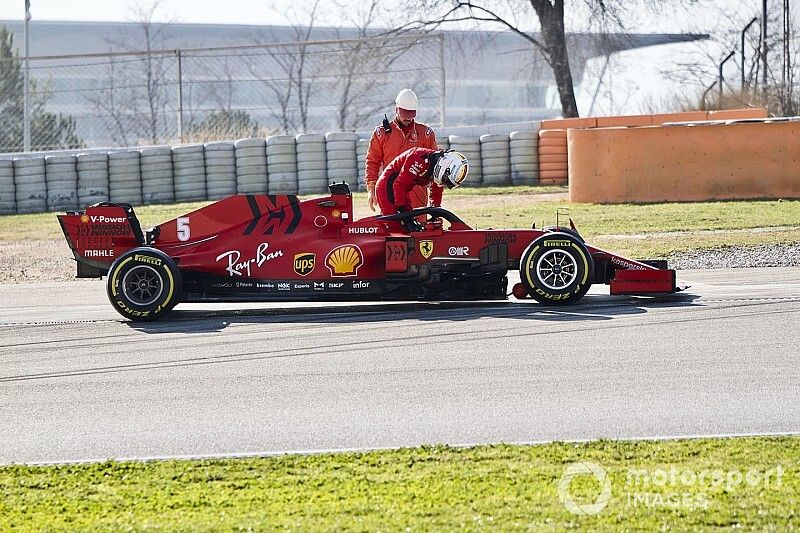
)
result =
(103, 219)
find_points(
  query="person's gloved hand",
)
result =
(412, 225)
(371, 200)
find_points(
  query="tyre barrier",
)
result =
(312, 169)
(524, 157)
(125, 177)
(8, 201)
(282, 164)
(220, 161)
(495, 159)
(553, 159)
(342, 162)
(471, 148)
(189, 166)
(158, 185)
(362, 145)
(30, 185)
(93, 184)
(251, 166)
(61, 177)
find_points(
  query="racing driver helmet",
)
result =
(451, 169)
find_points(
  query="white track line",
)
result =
(330, 451)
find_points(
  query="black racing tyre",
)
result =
(557, 269)
(143, 284)
(562, 229)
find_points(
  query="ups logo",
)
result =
(304, 264)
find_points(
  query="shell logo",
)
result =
(85, 219)
(344, 261)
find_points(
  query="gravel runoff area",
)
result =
(46, 261)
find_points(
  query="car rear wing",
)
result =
(100, 234)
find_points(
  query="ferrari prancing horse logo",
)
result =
(426, 248)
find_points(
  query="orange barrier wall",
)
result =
(685, 163)
(653, 120)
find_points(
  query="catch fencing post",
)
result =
(442, 78)
(26, 141)
(180, 94)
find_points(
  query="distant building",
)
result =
(490, 77)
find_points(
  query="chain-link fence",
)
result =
(198, 95)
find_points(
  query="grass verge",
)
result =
(749, 483)
(607, 226)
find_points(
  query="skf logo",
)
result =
(304, 264)
(426, 248)
(344, 261)
(85, 219)
(458, 250)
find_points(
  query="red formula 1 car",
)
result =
(264, 247)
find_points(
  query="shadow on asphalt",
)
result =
(591, 308)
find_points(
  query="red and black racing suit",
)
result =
(412, 168)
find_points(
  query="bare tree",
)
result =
(364, 61)
(135, 95)
(515, 15)
(292, 89)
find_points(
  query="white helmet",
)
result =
(406, 99)
(451, 169)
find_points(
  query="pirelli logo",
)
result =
(147, 259)
(557, 243)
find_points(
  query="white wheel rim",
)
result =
(556, 269)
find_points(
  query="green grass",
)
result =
(431, 489)
(519, 207)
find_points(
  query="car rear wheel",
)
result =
(556, 269)
(143, 284)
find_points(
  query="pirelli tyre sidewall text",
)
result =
(143, 284)
(557, 269)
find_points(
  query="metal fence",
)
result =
(206, 94)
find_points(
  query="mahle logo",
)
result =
(304, 264)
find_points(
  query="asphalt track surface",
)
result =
(78, 383)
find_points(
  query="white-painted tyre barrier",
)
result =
(495, 159)
(93, 183)
(189, 166)
(251, 166)
(125, 177)
(8, 200)
(312, 167)
(158, 186)
(471, 148)
(282, 164)
(524, 157)
(30, 185)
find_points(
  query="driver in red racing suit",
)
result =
(423, 167)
